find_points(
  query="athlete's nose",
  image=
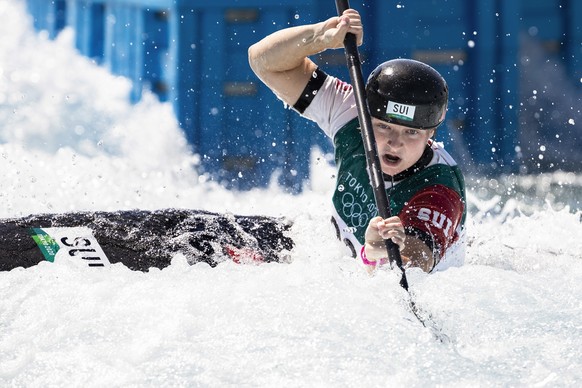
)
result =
(393, 138)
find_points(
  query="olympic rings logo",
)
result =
(353, 211)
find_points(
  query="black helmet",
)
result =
(407, 92)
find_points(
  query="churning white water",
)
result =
(70, 140)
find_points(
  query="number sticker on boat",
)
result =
(71, 242)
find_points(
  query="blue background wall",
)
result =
(194, 55)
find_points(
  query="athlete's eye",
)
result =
(382, 127)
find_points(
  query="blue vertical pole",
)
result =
(108, 57)
(482, 120)
(135, 56)
(508, 89)
(210, 105)
(572, 16)
(185, 71)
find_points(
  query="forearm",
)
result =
(418, 254)
(281, 59)
(286, 49)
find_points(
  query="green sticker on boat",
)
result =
(48, 246)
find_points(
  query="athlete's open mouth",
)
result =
(391, 159)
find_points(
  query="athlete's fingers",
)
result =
(355, 24)
(392, 228)
(372, 232)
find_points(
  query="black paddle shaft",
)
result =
(372, 158)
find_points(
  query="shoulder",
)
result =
(333, 106)
(439, 187)
(443, 169)
(442, 174)
(441, 156)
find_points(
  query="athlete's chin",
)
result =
(392, 169)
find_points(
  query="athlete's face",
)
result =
(399, 147)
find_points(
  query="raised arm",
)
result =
(281, 60)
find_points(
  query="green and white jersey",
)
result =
(430, 200)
